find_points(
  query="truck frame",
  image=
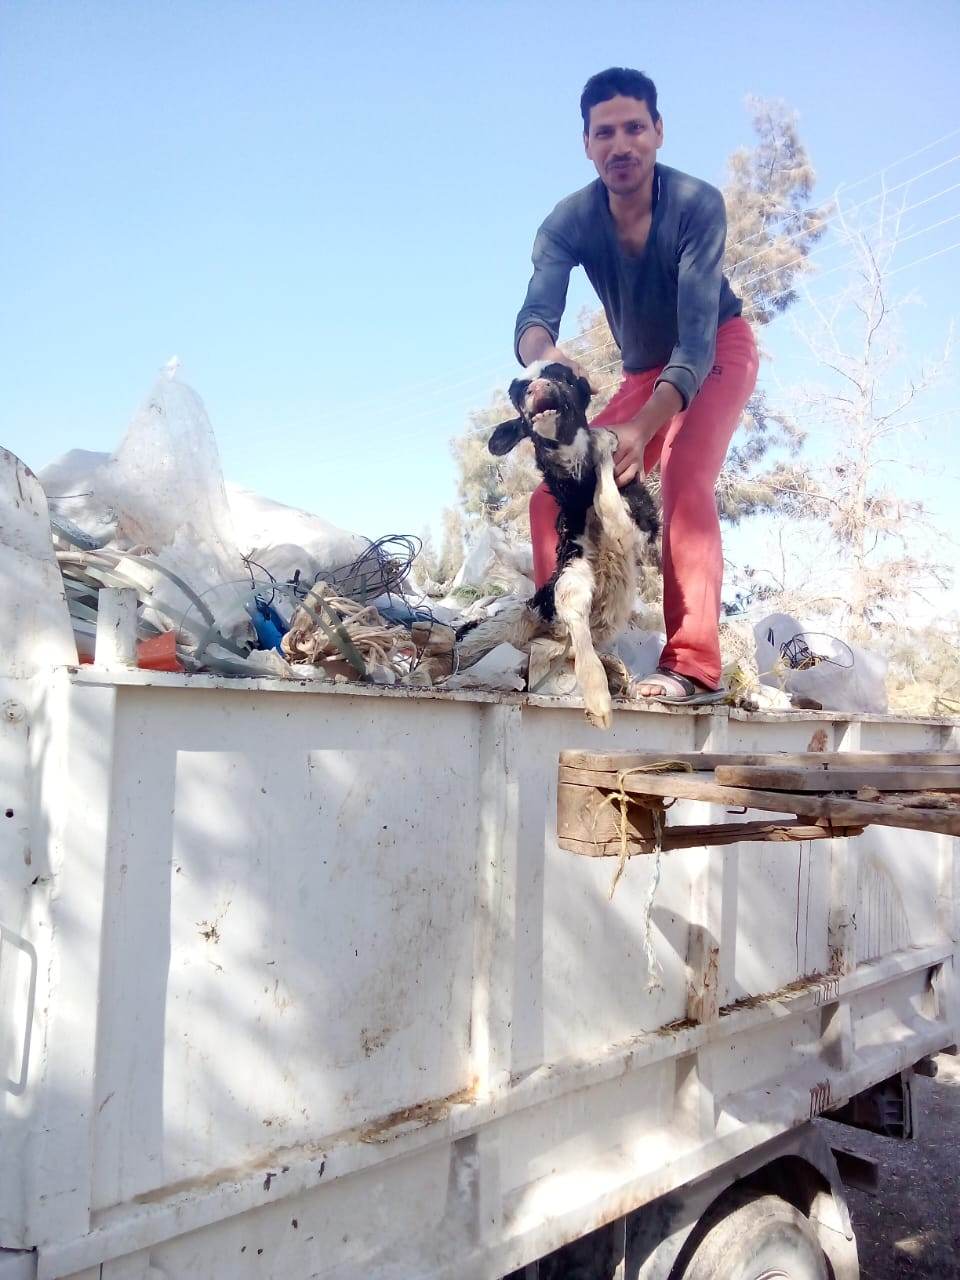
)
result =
(295, 980)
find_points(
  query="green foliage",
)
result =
(771, 225)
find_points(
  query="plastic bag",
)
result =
(162, 493)
(810, 661)
(640, 650)
(165, 485)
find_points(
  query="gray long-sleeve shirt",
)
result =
(663, 305)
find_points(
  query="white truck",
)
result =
(295, 981)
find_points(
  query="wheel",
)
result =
(756, 1238)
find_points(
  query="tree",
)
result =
(772, 228)
(494, 490)
(433, 572)
(854, 510)
(451, 547)
(924, 674)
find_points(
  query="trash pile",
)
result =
(229, 582)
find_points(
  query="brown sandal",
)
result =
(694, 695)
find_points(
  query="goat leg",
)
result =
(574, 595)
(515, 624)
(608, 501)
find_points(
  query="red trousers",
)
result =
(690, 449)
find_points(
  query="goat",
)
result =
(588, 601)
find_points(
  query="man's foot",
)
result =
(678, 690)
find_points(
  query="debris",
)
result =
(343, 637)
(159, 653)
(219, 571)
(502, 668)
(234, 583)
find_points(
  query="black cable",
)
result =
(798, 655)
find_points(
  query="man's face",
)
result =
(623, 142)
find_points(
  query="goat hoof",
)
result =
(601, 719)
(618, 677)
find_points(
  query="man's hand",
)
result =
(536, 345)
(556, 356)
(665, 403)
(628, 459)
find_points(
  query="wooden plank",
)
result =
(911, 799)
(584, 814)
(613, 761)
(838, 778)
(692, 786)
(720, 833)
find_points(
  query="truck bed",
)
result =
(296, 980)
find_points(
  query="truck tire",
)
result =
(754, 1237)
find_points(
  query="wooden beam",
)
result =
(838, 778)
(840, 811)
(695, 837)
(584, 814)
(613, 761)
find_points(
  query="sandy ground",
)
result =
(911, 1228)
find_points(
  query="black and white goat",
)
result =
(588, 601)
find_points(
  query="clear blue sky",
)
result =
(326, 210)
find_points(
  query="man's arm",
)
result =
(699, 279)
(698, 303)
(665, 403)
(536, 344)
(538, 324)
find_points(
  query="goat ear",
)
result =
(507, 436)
(585, 391)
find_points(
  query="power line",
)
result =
(825, 222)
(444, 384)
(851, 261)
(742, 284)
(916, 262)
(849, 186)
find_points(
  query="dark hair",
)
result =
(618, 81)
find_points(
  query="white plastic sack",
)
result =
(162, 494)
(73, 485)
(279, 537)
(492, 560)
(847, 677)
(284, 539)
(165, 485)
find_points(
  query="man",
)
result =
(651, 241)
